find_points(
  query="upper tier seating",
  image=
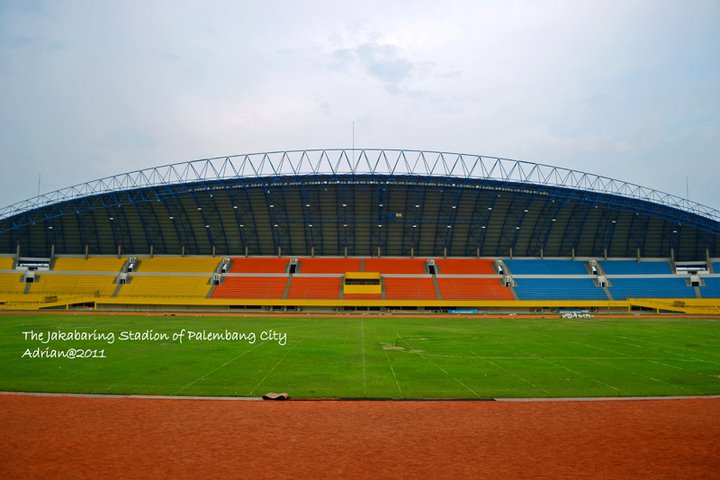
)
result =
(92, 264)
(711, 288)
(166, 286)
(251, 287)
(178, 265)
(716, 267)
(259, 265)
(395, 265)
(624, 288)
(409, 288)
(6, 263)
(329, 265)
(632, 267)
(457, 288)
(558, 289)
(315, 287)
(459, 266)
(546, 267)
(50, 283)
(11, 283)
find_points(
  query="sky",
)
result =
(626, 89)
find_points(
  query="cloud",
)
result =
(614, 88)
(383, 62)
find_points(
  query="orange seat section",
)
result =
(395, 265)
(315, 287)
(473, 289)
(259, 265)
(409, 288)
(329, 265)
(251, 287)
(472, 266)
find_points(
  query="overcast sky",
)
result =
(627, 89)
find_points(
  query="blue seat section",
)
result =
(631, 267)
(711, 288)
(716, 267)
(546, 267)
(558, 289)
(624, 288)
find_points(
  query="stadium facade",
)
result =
(396, 231)
(361, 202)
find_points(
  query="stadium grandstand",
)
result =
(358, 230)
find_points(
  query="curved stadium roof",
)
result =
(361, 202)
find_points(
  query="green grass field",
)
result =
(392, 357)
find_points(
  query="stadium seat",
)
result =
(449, 266)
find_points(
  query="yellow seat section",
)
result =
(159, 286)
(99, 285)
(178, 264)
(11, 283)
(6, 298)
(92, 264)
(6, 263)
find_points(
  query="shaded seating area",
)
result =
(471, 266)
(633, 267)
(546, 267)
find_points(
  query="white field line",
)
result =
(402, 395)
(201, 377)
(435, 365)
(273, 368)
(675, 348)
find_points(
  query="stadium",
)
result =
(360, 230)
(486, 301)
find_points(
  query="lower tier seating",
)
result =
(251, 287)
(259, 265)
(558, 289)
(546, 267)
(395, 265)
(315, 287)
(413, 288)
(711, 289)
(91, 264)
(6, 263)
(624, 288)
(51, 284)
(161, 286)
(473, 266)
(473, 289)
(11, 283)
(329, 265)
